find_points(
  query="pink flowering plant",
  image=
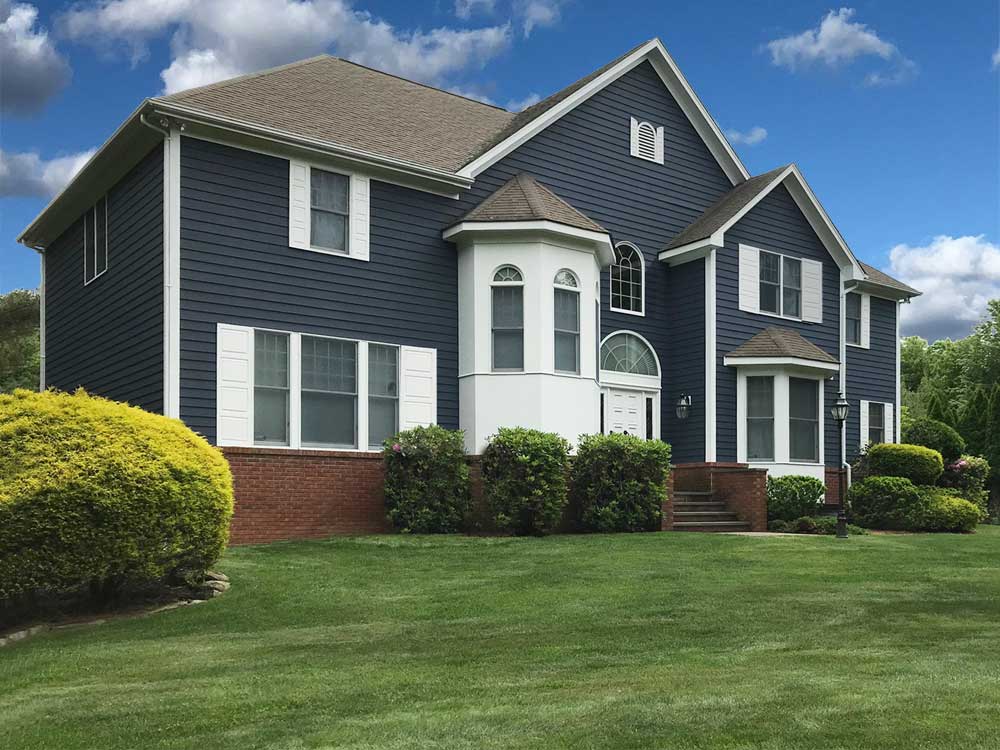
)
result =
(968, 476)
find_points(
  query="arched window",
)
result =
(566, 321)
(508, 319)
(627, 353)
(627, 279)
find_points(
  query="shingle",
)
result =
(523, 198)
(724, 209)
(781, 342)
(878, 277)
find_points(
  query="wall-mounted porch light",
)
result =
(683, 406)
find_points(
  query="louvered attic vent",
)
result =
(647, 141)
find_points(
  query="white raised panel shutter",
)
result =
(890, 424)
(234, 386)
(634, 138)
(298, 204)
(749, 279)
(418, 387)
(866, 321)
(360, 216)
(812, 291)
(863, 415)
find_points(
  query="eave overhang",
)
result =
(795, 364)
(598, 242)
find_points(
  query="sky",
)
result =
(890, 108)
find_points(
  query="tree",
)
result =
(913, 362)
(938, 407)
(973, 423)
(19, 344)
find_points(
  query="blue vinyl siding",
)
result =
(775, 224)
(107, 336)
(686, 358)
(871, 373)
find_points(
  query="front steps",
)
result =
(700, 511)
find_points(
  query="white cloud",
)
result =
(518, 105)
(996, 59)
(837, 41)
(466, 8)
(957, 276)
(216, 39)
(538, 13)
(752, 137)
(27, 174)
(32, 70)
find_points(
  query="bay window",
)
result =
(508, 319)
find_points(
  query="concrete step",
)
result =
(705, 516)
(694, 507)
(711, 526)
(693, 494)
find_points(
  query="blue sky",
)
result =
(889, 108)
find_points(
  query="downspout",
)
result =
(844, 289)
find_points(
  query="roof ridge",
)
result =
(248, 76)
(531, 189)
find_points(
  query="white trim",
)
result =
(711, 358)
(605, 253)
(842, 345)
(796, 362)
(641, 312)
(93, 234)
(866, 321)
(635, 145)
(172, 273)
(692, 251)
(898, 384)
(625, 379)
(862, 424)
(676, 84)
(41, 323)
(356, 230)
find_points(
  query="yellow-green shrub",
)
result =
(94, 492)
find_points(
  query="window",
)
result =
(566, 300)
(508, 319)
(760, 418)
(627, 353)
(854, 318)
(803, 419)
(646, 141)
(876, 422)
(329, 392)
(383, 393)
(95, 240)
(626, 279)
(780, 285)
(270, 388)
(329, 201)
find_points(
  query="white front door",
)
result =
(625, 411)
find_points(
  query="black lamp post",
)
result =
(839, 412)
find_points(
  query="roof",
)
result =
(876, 276)
(523, 198)
(781, 342)
(341, 102)
(726, 208)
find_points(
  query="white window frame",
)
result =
(866, 320)
(300, 209)
(298, 390)
(494, 284)
(347, 216)
(90, 233)
(575, 290)
(781, 286)
(635, 149)
(782, 424)
(641, 312)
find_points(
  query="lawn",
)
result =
(629, 641)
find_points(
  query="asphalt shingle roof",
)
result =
(878, 277)
(781, 342)
(523, 198)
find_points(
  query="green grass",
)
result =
(629, 641)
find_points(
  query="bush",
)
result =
(942, 510)
(936, 435)
(968, 478)
(426, 481)
(813, 525)
(618, 483)
(883, 502)
(914, 462)
(524, 479)
(98, 493)
(792, 497)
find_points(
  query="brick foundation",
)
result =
(744, 490)
(303, 494)
(667, 523)
(834, 477)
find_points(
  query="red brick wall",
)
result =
(667, 523)
(833, 479)
(744, 491)
(302, 494)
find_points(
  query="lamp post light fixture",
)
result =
(839, 412)
(683, 406)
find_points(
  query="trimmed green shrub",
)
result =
(826, 525)
(524, 479)
(101, 494)
(792, 497)
(618, 483)
(914, 462)
(426, 481)
(883, 502)
(936, 435)
(968, 477)
(942, 510)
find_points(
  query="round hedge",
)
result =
(935, 435)
(98, 493)
(792, 497)
(915, 462)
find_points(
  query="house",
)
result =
(299, 262)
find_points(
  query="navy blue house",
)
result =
(316, 256)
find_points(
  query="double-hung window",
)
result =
(853, 304)
(876, 422)
(780, 285)
(566, 298)
(329, 392)
(95, 240)
(760, 418)
(803, 419)
(329, 206)
(508, 319)
(270, 392)
(383, 393)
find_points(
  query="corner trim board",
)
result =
(172, 273)
(41, 324)
(710, 357)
